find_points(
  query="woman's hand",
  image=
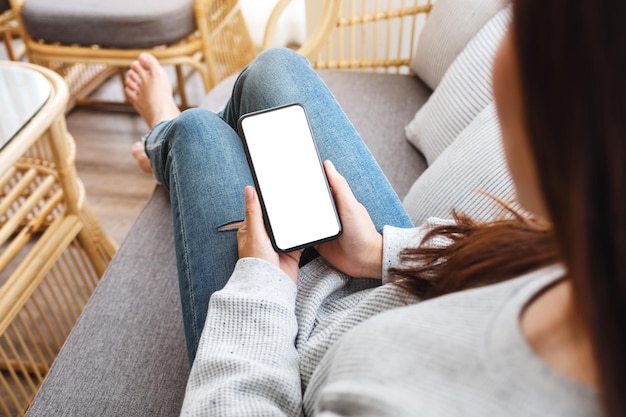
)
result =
(254, 242)
(358, 252)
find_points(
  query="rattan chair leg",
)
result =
(180, 77)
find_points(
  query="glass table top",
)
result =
(23, 92)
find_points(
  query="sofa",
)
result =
(434, 133)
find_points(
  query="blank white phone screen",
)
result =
(290, 177)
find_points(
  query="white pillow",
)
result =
(464, 91)
(449, 27)
(475, 162)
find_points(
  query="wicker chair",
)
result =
(217, 45)
(54, 250)
(9, 29)
(372, 35)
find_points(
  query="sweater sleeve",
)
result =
(247, 363)
(395, 240)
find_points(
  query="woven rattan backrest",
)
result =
(375, 35)
(227, 43)
(9, 29)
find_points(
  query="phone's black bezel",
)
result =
(268, 225)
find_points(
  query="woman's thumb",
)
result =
(341, 190)
(253, 208)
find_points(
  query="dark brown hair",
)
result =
(572, 63)
(476, 254)
(572, 57)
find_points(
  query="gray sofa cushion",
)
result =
(379, 106)
(126, 355)
(4, 5)
(110, 23)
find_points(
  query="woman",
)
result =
(545, 339)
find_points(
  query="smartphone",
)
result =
(298, 207)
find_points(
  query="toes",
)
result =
(131, 75)
(131, 86)
(140, 156)
(138, 150)
(131, 93)
(134, 78)
(131, 81)
(148, 62)
(137, 70)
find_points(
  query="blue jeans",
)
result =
(199, 157)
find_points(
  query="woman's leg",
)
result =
(201, 160)
(281, 76)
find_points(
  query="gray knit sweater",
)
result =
(271, 349)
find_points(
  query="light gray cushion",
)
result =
(464, 91)
(110, 23)
(449, 27)
(379, 106)
(472, 164)
(126, 355)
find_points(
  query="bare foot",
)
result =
(149, 89)
(139, 153)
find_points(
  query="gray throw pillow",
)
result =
(471, 166)
(449, 27)
(463, 92)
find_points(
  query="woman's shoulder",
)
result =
(465, 312)
(441, 355)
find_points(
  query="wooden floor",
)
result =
(116, 188)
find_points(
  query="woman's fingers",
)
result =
(344, 198)
(254, 242)
(252, 237)
(358, 251)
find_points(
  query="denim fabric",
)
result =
(199, 157)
